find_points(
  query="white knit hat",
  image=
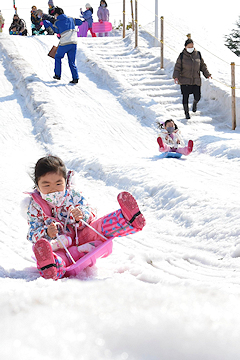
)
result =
(87, 5)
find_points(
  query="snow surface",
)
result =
(169, 292)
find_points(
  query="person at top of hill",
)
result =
(187, 73)
(65, 26)
(103, 14)
(2, 20)
(18, 26)
(51, 7)
(54, 191)
(170, 139)
(36, 22)
(50, 18)
(87, 16)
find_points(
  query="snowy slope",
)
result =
(171, 291)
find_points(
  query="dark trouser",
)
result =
(186, 90)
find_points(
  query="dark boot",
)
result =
(186, 110)
(194, 107)
(74, 81)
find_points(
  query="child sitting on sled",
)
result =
(64, 228)
(170, 139)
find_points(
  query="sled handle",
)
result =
(85, 223)
(66, 249)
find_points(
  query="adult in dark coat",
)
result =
(187, 73)
(18, 26)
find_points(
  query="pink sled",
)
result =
(98, 27)
(102, 250)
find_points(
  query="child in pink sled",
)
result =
(170, 140)
(68, 207)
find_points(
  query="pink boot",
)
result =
(190, 146)
(160, 142)
(45, 259)
(131, 210)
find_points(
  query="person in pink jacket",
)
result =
(103, 14)
(68, 208)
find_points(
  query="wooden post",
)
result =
(233, 96)
(161, 41)
(136, 24)
(132, 15)
(124, 25)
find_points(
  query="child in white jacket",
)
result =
(56, 210)
(170, 140)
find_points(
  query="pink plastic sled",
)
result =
(89, 259)
(102, 250)
(98, 27)
(83, 29)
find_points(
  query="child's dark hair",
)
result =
(161, 125)
(49, 164)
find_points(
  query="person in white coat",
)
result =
(170, 140)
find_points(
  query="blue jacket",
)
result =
(65, 26)
(87, 15)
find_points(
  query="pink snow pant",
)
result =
(111, 225)
(184, 150)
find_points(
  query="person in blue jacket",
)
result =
(87, 15)
(65, 26)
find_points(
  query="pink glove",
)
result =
(41, 23)
(58, 35)
(2, 26)
(100, 21)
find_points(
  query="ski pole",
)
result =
(85, 223)
(66, 249)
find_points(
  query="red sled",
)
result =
(89, 259)
(102, 27)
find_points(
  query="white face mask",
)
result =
(190, 50)
(54, 198)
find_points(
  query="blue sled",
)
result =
(169, 154)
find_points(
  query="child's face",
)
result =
(51, 182)
(169, 124)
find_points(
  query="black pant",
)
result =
(186, 90)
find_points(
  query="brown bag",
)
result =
(53, 51)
